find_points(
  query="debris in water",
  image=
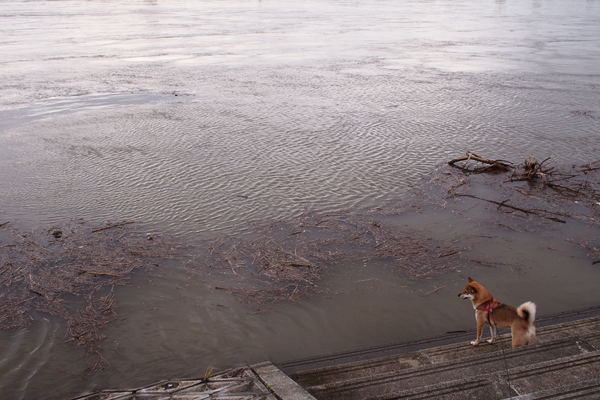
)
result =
(70, 271)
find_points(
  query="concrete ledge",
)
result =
(239, 383)
(279, 383)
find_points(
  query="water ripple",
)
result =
(25, 353)
(206, 166)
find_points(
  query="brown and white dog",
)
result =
(495, 314)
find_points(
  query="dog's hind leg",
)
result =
(492, 334)
(517, 339)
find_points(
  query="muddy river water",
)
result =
(197, 117)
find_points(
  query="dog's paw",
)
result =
(490, 341)
(474, 343)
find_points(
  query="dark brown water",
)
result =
(195, 117)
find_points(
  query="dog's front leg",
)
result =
(479, 329)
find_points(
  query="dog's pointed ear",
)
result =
(471, 279)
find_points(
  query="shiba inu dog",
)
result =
(490, 311)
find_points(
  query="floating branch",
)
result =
(593, 166)
(539, 213)
(113, 226)
(491, 165)
(35, 244)
(435, 290)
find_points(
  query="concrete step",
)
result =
(447, 358)
(467, 388)
(583, 390)
(439, 361)
(495, 386)
(553, 374)
(374, 384)
(456, 369)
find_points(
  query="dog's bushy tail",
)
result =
(527, 312)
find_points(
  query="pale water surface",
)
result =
(195, 117)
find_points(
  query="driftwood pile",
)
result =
(69, 271)
(533, 188)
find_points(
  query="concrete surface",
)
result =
(262, 381)
(563, 362)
